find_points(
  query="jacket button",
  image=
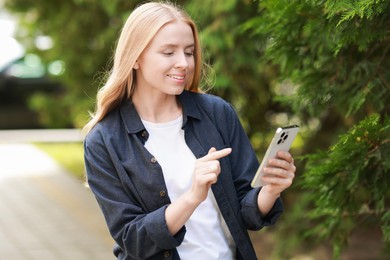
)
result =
(162, 193)
(144, 134)
(167, 254)
(153, 160)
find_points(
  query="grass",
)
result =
(68, 155)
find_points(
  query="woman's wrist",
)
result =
(191, 200)
(269, 192)
(266, 200)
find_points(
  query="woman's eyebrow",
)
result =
(172, 45)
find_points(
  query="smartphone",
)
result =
(282, 140)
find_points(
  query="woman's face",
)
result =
(167, 63)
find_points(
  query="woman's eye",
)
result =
(171, 53)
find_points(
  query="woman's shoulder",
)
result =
(217, 109)
(104, 127)
(210, 101)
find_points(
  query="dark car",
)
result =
(19, 80)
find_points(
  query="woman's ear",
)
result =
(136, 65)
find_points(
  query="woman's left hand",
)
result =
(279, 173)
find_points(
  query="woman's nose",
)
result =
(182, 61)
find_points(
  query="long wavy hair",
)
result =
(140, 28)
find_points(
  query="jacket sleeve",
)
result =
(244, 164)
(131, 227)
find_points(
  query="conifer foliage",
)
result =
(336, 55)
(349, 183)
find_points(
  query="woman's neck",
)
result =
(156, 107)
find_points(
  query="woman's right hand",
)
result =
(206, 172)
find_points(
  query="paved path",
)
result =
(45, 213)
(41, 135)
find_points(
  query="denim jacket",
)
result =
(129, 186)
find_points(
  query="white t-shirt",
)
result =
(207, 235)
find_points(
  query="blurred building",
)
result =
(21, 76)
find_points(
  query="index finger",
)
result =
(217, 154)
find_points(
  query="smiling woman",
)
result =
(166, 161)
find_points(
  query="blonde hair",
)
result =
(140, 28)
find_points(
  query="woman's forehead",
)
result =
(174, 34)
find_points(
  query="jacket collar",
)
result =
(133, 122)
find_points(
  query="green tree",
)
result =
(334, 56)
(83, 34)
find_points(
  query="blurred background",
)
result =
(320, 64)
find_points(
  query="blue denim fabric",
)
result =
(129, 186)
